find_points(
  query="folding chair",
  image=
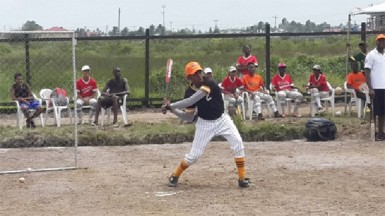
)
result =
(325, 101)
(86, 107)
(123, 109)
(354, 100)
(20, 114)
(45, 94)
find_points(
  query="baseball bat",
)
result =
(168, 76)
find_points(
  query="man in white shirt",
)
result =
(375, 78)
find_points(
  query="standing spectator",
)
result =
(244, 60)
(355, 79)
(230, 89)
(112, 95)
(21, 92)
(375, 78)
(318, 88)
(283, 84)
(254, 85)
(360, 56)
(86, 90)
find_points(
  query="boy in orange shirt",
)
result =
(254, 85)
(355, 79)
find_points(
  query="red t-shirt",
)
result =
(231, 85)
(85, 89)
(321, 82)
(244, 61)
(282, 83)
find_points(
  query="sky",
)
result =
(174, 14)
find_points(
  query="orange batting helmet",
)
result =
(191, 68)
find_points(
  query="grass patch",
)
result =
(170, 132)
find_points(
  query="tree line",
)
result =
(284, 26)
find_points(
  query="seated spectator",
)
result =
(283, 84)
(254, 85)
(86, 89)
(318, 88)
(208, 73)
(112, 95)
(355, 79)
(21, 92)
(230, 89)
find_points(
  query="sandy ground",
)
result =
(342, 177)
(288, 178)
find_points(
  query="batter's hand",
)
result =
(165, 105)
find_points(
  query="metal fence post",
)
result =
(147, 70)
(267, 30)
(363, 31)
(27, 62)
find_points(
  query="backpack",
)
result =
(59, 96)
(320, 129)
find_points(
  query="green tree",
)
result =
(31, 26)
(124, 31)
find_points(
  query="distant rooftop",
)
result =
(56, 28)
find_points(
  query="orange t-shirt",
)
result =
(252, 83)
(355, 80)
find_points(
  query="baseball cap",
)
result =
(191, 68)
(380, 36)
(317, 67)
(281, 65)
(85, 67)
(116, 69)
(232, 68)
(207, 70)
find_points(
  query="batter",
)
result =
(212, 121)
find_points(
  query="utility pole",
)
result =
(119, 21)
(163, 13)
(275, 21)
(216, 24)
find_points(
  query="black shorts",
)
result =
(379, 102)
(107, 102)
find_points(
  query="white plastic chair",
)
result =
(325, 101)
(86, 107)
(45, 94)
(226, 105)
(360, 104)
(20, 114)
(249, 108)
(123, 109)
(279, 107)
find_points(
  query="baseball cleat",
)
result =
(244, 183)
(173, 181)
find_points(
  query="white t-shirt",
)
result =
(375, 61)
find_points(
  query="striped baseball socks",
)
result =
(241, 166)
(182, 167)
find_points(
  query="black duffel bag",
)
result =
(320, 129)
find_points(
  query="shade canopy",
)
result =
(372, 10)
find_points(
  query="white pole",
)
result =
(74, 91)
(347, 58)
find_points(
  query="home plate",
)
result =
(166, 193)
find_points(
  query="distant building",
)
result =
(376, 21)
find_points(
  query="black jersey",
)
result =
(21, 91)
(210, 107)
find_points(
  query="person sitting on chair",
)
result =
(283, 84)
(86, 89)
(112, 95)
(22, 92)
(230, 89)
(318, 87)
(355, 79)
(254, 85)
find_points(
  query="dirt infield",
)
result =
(288, 178)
